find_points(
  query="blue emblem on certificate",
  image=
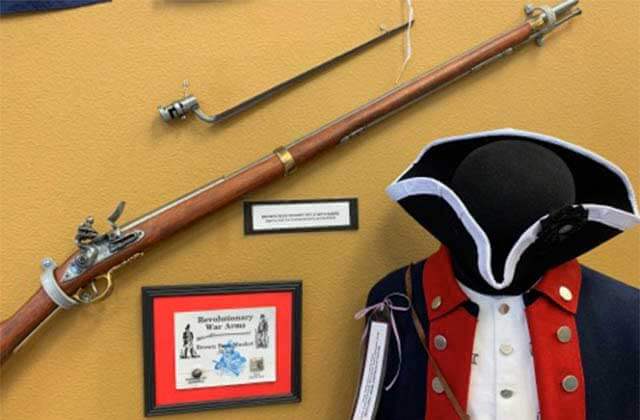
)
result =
(231, 362)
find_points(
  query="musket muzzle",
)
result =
(564, 7)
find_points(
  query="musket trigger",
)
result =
(93, 293)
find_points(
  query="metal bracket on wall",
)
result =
(182, 107)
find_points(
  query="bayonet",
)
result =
(181, 108)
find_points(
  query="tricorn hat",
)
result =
(604, 205)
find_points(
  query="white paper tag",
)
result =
(225, 347)
(372, 372)
(313, 215)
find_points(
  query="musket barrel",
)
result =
(356, 122)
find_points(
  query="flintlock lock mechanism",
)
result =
(92, 249)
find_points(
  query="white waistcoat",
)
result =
(503, 383)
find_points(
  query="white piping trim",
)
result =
(610, 216)
(540, 137)
(525, 240)
(606, 215)
(429, 186)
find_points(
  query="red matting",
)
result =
(164, 346)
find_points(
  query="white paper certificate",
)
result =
(225, 347)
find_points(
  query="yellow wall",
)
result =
(79, 131)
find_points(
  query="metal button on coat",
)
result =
(437, 386)
(564, 334)
(440, 342)
(436, 302)
(506, 393)
(565, 293)
(506, 349)
(570, 383)
(503, 309)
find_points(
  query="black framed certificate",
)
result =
(215, 346)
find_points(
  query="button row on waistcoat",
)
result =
(506, 349)
(436, 302)
(506, 393)
(570, 383)
(437, 386)
(565, 293)
(440, 342)
(564, 334)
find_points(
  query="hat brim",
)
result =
(424, 191)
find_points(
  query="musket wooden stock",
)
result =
(174, 216)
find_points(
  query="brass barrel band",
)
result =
(287, 160)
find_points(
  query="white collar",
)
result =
(482, 299)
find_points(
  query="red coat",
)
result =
(603, 314)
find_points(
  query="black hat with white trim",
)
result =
(604, 206)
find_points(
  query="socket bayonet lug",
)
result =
(545, 19)
(179, 109)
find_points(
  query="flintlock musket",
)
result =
(74, 281)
